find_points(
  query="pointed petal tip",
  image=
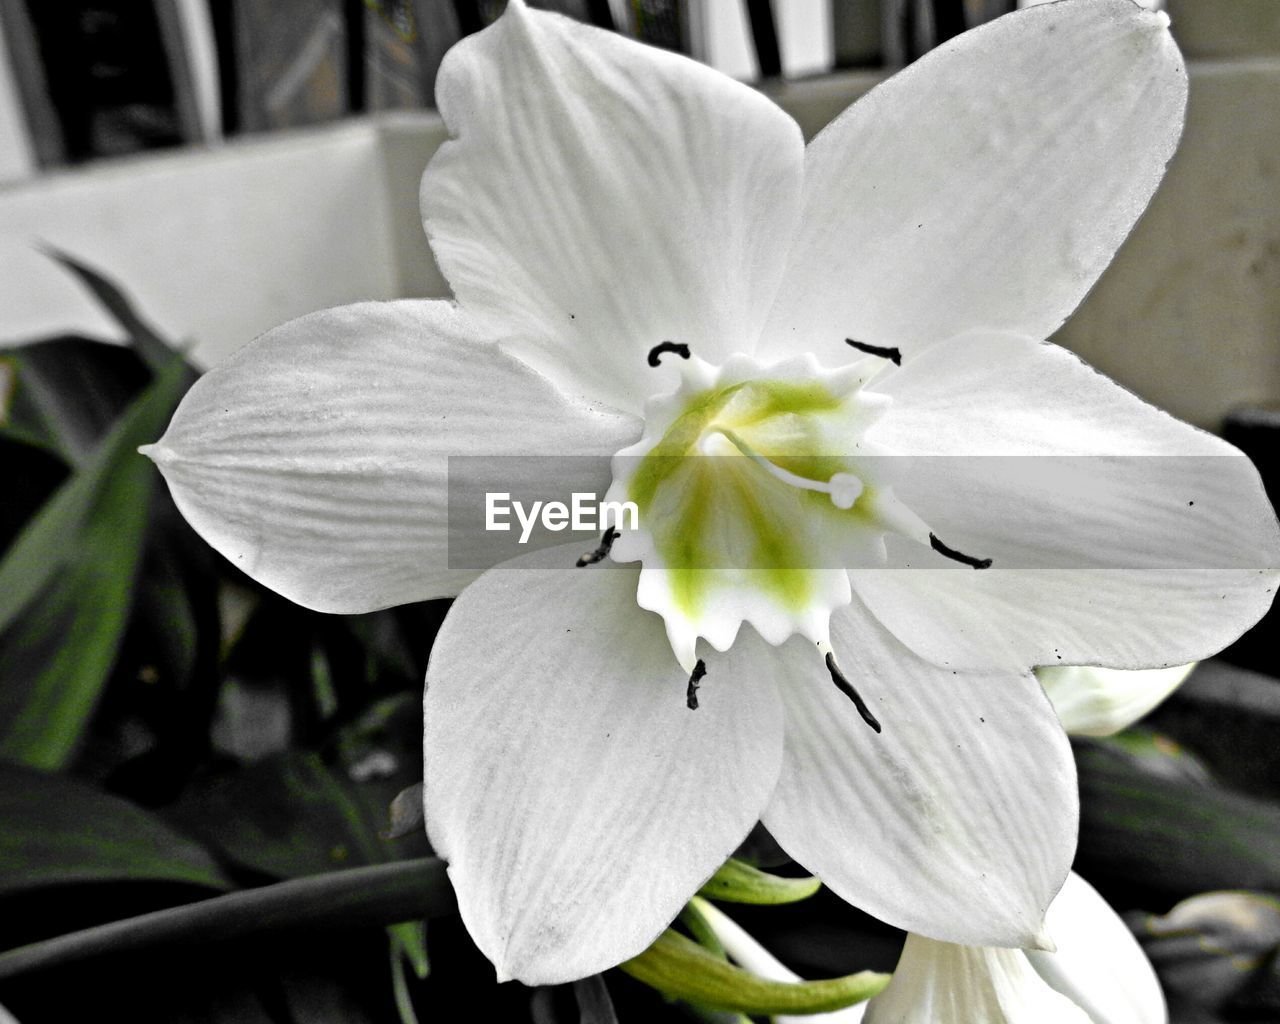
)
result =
(156, 452)
(1042, 940)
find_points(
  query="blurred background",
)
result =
(177, 176)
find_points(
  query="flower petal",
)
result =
(1098, 963)
(1103, 701)
(578, 801)
(987, 185)
(1119, 535)
(958, 821)
(316, 458)
(601, 196)
(940, 983)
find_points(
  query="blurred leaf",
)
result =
(68, 391)
(66, 586)
(1208, 948)
(290, 815)
(32, 473)
(167, 676)
(58, 830)
(150, 345)
(1259, 1000)
(680, 968)
(1141, 826)
(1231, 718)
(738, 882)
(594, 1003)
(1160, 756)
(357, 898)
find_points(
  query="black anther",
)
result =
(599, 553)
(846, 687)
(678, 347)
(894, 355)
(958, 556)
(691, 694)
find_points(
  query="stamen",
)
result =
(691, 694)
(678, 347)
(958, 556)
(889, 352)
(606, 542)
(846, 687)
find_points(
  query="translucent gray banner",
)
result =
(1145, 512)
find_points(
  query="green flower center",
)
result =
(744, 480)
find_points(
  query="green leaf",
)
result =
(357, 898)
(32, 474)
(1144, 825)
(290, 815)
(66, 392)
(58, 830)
(739, 882)
(680, 968)
(150, 345)
(66, 587)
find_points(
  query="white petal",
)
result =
(940, 983)
(1103, 701)
(958, 821)
(987, 185)
(578, 801)
(1098, 963)
(316, 458)
(1119, 535)
(601, 197)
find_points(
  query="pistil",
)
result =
(843, 488)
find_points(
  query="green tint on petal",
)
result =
(679, 967)
(745, 494)
(740, 484)
(739, 882)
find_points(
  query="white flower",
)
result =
(1098, 974)
(600, 199)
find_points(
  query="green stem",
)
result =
(678, 967)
